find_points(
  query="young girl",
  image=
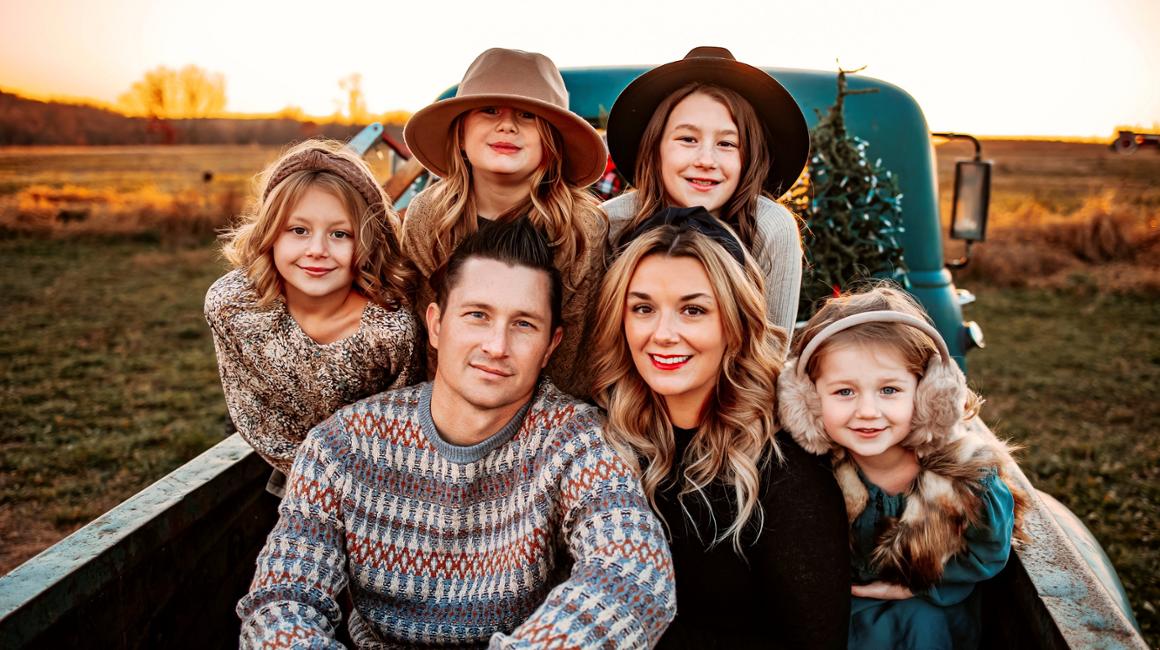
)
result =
(316, 313)
(711, 131)
(686, 365)
(930, 511)
(506, 146)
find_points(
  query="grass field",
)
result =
(109, 379)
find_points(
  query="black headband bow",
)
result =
(694, 218)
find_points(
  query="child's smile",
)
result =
(867, 396)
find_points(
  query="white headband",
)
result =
(881, 316)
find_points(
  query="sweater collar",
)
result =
(465, 454)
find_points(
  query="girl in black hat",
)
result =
(711, 131)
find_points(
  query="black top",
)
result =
(791, 589)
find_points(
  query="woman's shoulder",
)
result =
(798, 470)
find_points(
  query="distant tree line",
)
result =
(31, 122)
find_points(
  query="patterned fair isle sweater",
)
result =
(539, 536)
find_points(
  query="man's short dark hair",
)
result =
(515, 243)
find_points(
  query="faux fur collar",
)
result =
(943, 500)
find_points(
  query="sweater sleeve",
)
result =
(415, 237)
(292, 599)
(621, 592)
(781, 259)
(230, 310)
(988, 546)
(803, 556)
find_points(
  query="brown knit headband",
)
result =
(320, 160)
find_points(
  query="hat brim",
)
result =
(787, 136)
(426, 133)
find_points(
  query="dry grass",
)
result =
(172, 195)
(1065, 216)
(178, 218)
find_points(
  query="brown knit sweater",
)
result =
(568, 369)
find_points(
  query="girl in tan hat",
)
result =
(316, 313)
(506, 146)
(711, 131)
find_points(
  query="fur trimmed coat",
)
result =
(950, 501)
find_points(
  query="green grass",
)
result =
(1073, 378)
(109, 377)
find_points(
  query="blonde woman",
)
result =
(317, 311)
(712, 131)
(686, 366)
(507, 146)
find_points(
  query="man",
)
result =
(453, 508)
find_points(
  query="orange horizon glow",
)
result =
(289, 112)
(399, 117)
(1080, 73)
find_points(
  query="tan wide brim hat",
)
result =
(787, 137)
(523, 80)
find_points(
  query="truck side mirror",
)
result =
(972, 200)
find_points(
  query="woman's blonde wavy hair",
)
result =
(382, 273)
(554, 206)
(737, 435)
(740, 211)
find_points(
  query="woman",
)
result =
(711, 131)
(506, 146)
(686, 367)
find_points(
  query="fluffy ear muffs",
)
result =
(939, 405)
(800, 410)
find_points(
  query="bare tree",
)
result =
(167, 93)
(355, 100)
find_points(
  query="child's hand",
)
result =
(881, 591)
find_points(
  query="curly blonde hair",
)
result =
(737, 435)
(381, 271)
(553, 205)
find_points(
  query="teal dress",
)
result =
(947, 614)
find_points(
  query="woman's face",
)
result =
(502, 142)
(672, 325)
(700, 153)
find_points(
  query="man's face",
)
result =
(494, 337)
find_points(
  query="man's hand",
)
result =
(881, 591)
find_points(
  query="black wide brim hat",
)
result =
(787, 137)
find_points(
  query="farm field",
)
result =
(109, 379)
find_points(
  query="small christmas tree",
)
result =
(852, 211)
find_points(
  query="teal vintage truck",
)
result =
(165, 568)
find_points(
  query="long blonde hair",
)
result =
(553, 205)
(740, 211)
(382, 273)
(737, 435)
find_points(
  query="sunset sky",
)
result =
(991, 67)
